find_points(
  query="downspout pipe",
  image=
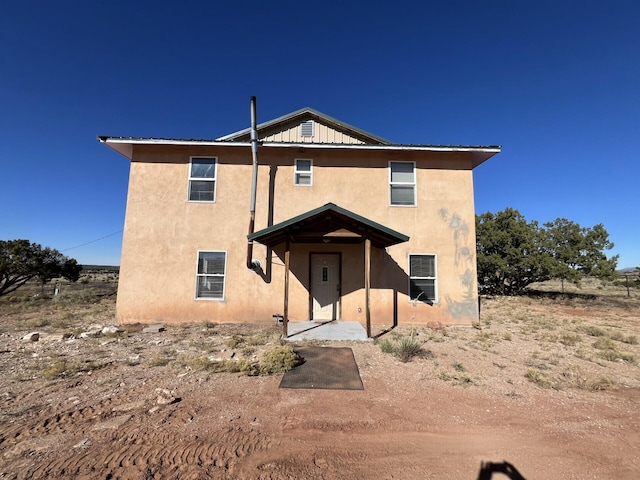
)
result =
(253, 264)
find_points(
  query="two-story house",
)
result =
(343, 225)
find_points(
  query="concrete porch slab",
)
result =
(336, 330)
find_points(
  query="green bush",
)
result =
(386, 346)
(405, 348)
(279, 359)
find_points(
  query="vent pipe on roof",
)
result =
(253, 264)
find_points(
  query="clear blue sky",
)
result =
(556, 83)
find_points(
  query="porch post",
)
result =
(367, 284)
(285, 319)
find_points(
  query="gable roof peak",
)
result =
(308, 113)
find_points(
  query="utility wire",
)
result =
(92, 241)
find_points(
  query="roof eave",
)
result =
(124, 146)
(275, 234)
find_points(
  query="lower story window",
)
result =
(422, 278)
(211, 275)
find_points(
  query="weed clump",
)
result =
(404, 348)
(569, 339)
(459, 378)
(579, 379)
(608, 351)
(279, 359)
(539, 378)
(62, 367)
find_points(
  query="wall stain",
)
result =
(465, 307)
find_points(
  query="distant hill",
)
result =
(109, 268)
(628, 270)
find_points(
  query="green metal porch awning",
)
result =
(328, 224)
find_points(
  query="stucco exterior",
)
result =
(164, 231)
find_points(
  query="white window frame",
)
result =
(223, 275)
(434, 278)
(203, 179)
(412, 184)
(297, 172)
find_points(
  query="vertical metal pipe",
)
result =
(251, 264)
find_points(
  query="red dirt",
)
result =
(409, 422)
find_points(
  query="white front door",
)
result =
(325, 285)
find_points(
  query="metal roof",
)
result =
(124, 146)
(311, 113)
(328, 224)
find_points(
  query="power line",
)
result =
(92, 241)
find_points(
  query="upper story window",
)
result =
(202, 179)
(307, 128)
(303, 172)
(402, 183)
(422, 278)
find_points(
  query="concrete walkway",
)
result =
(336, 330)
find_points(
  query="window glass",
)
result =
(201, 191)
(202, 180)
(422, 278)
(402, 183)
(210, 277)
(202, 168)
(402, 172)
(303, 172)
(401, 195)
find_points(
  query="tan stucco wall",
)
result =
(163, 233)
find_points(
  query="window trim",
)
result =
(435, 300)
(414, 184)
(201, 179)
(224, 277)
(296, 172)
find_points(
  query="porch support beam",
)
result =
(285, 314)
(367, 284)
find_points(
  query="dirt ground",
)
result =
(549, 385)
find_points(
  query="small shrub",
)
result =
(386, 346)
(199, 363)
(458, 367)
(263, 338)
(457, 378)
(614, 355)
(279, 359)
(569, 339)
(159, 360)
(403, 347)
(484, 340)
(539, 378)
(61, 367)
(235, 341)
(507, 336)
(604, 343)
(631, 340)
(248, 351)
(243, 366)
(208, 325)
(407, 348)
(577, 378)
(595, 331)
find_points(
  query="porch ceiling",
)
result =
(328, 224)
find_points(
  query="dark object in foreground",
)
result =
(489, 468)
(328, 368)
